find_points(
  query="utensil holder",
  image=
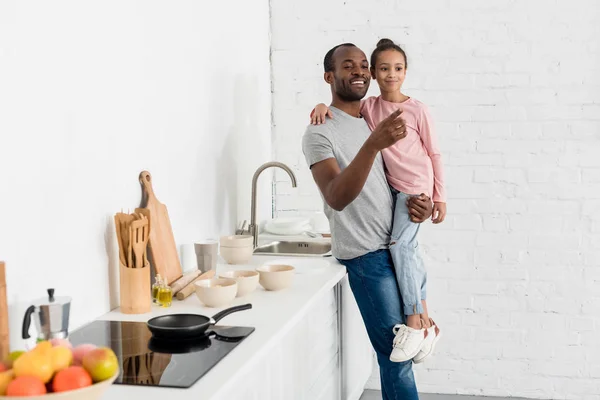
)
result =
(136, 296)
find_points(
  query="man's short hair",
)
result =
(328, 63)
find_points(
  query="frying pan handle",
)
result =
(222, 314)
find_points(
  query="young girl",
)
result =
(413, 166)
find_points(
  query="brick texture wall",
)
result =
(514, 87)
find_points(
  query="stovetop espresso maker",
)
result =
(51, 317)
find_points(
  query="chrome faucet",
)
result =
(253, 228)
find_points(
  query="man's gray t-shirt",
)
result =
(365, 224)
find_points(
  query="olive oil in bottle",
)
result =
(155, 288)
(165, 295)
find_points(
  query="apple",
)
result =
(101, 363)
(80, 351)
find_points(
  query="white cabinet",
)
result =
(357, 352)
(305, 364)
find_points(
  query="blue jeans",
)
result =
(404, 246)
(373, 282)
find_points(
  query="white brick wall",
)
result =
(514, 87)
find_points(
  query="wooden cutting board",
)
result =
(163, 249)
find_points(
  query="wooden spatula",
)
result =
(125, 222)
(139, 229)
(146, 214)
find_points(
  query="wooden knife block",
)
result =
(136, 295)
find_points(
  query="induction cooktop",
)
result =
(147, 361)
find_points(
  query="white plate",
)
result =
(287, 229)
(290, 222)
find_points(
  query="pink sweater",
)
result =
(413, 164)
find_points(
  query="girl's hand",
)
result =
(419, 208)
(439, 212)
(317, 116)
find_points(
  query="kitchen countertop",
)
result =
(273, 314)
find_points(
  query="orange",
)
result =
(5, 379)
(26, 386)
(71, 378)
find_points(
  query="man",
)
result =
(345, 160)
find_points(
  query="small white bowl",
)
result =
(247, 281)
(216, 292)
(276, 277)
(236, 241)
(236, 255)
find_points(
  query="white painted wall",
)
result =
(515, 92)
(93, 93)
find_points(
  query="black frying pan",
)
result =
(184, 326)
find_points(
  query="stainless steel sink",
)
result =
(303, 249)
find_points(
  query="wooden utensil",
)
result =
(4, 338)
(126, 220)
(139, 230)
(146, 214)
(130, 248)
(119, 239)
(162, 243)
(190, 288)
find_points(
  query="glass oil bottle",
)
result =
(155, 288)
(165, 295)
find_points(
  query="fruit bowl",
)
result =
(56, 370)
(93, 392)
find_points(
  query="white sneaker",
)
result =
(407, 343)
(433, 335)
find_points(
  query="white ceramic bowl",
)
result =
(276, 277)
(236, 255)
(93, 392)
(216, 292)
(236, 241)
(247, 281)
